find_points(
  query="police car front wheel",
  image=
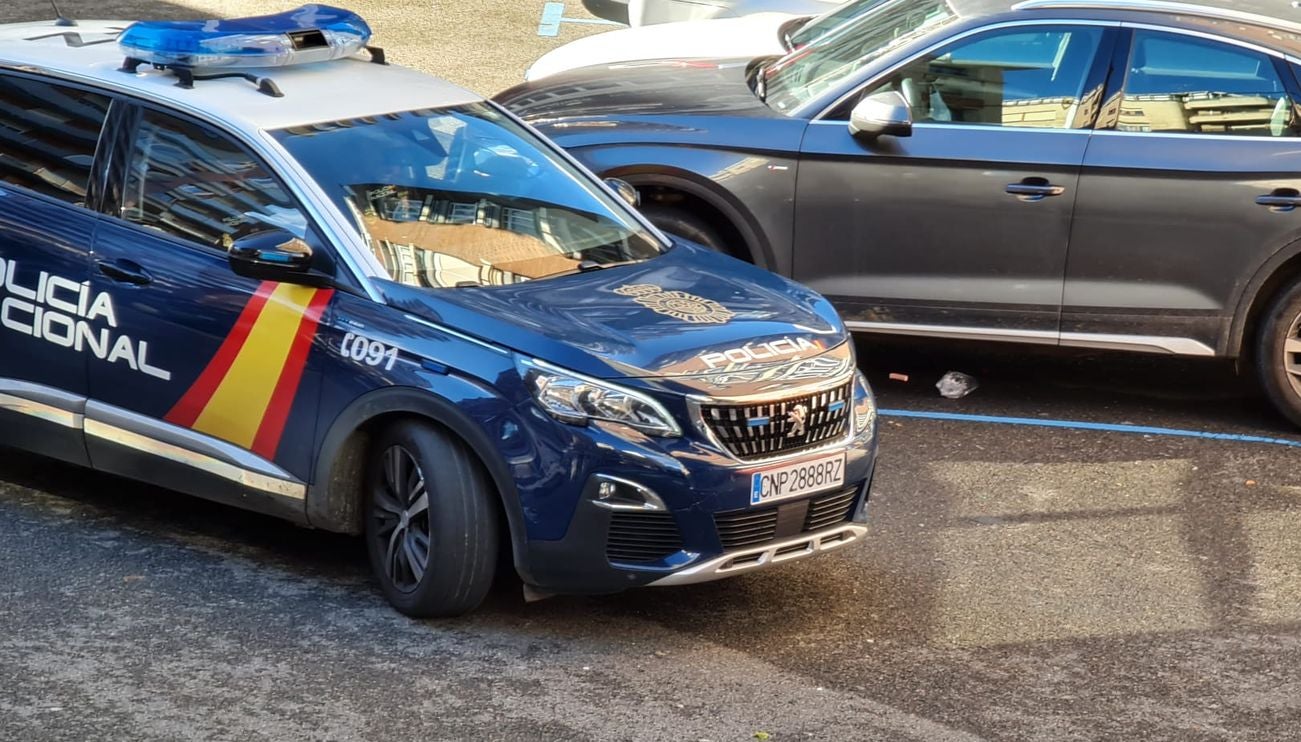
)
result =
(431, 521)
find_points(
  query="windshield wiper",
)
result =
(588, 265)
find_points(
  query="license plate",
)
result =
(793, 480)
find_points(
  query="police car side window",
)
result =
(48, 135)
(192, 182)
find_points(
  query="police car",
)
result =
(249, 261)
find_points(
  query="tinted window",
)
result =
(1186, 84)
(192, 182)
(1011, 78)
(48, 135)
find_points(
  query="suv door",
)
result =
(49, 322)
(218, 364)
(1180, 199)
(960, 229)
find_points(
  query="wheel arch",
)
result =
(736, 217)
(334, 497)
(1282, 268)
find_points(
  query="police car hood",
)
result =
(687, 313)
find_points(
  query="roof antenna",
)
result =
(61, 20)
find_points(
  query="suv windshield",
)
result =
(827, 22)
(837, 55)
(465, 196)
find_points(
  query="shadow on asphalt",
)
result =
(39, 10)
(927, 476)
(1097, 386)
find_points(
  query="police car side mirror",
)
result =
(883, 114)
(275, 255)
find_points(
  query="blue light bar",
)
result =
(311, 33)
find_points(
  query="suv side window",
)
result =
(1186, 84)
(1015, 77)
(48, 136)
(192, 182)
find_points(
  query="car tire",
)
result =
(685, 224)
(1278, 353)
(429, 499)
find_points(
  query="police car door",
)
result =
(48, 139)
(207, 387)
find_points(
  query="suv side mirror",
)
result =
(275, 255)
(625, 191)
(882, 114)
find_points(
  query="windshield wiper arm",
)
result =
(587, 265)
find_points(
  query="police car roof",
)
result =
(325, 91)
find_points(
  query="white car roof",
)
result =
(326, 91)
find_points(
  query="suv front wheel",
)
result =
(1278, 352)
(431, 521)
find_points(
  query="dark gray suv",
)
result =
(1094, 173)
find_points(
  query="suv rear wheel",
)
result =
(1278, 352)
(431, 521)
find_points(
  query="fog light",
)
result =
(614, 493)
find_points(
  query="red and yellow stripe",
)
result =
(245, 393)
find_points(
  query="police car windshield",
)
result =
(465, 196)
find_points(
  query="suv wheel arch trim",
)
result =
(706, 190)
(1252, 301)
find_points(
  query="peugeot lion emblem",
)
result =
(798, 415)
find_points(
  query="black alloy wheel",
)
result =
(432, 516)
(400, 505)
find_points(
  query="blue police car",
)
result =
(249, 261)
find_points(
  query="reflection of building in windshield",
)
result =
(188, 181)
(424, 238)
(1205, 112)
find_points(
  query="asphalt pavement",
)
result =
(1037, 569)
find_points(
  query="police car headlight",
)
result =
(864, 405)
(577, 399)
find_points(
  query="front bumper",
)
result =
(707, 508)
(748, 560)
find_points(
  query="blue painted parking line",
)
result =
(1084, 425)
(553, 14)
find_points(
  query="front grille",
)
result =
(829, 510)
(738, 529)
(746, 527)
(642, 537)
(762, 430)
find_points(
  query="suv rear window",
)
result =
(48, 136)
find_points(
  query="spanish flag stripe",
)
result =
(191, 405)
(282, 399)
(236, 408)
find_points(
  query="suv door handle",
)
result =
(125, 271)
(1280, 199)
(1034, 189)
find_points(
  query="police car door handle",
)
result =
(125, 271)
